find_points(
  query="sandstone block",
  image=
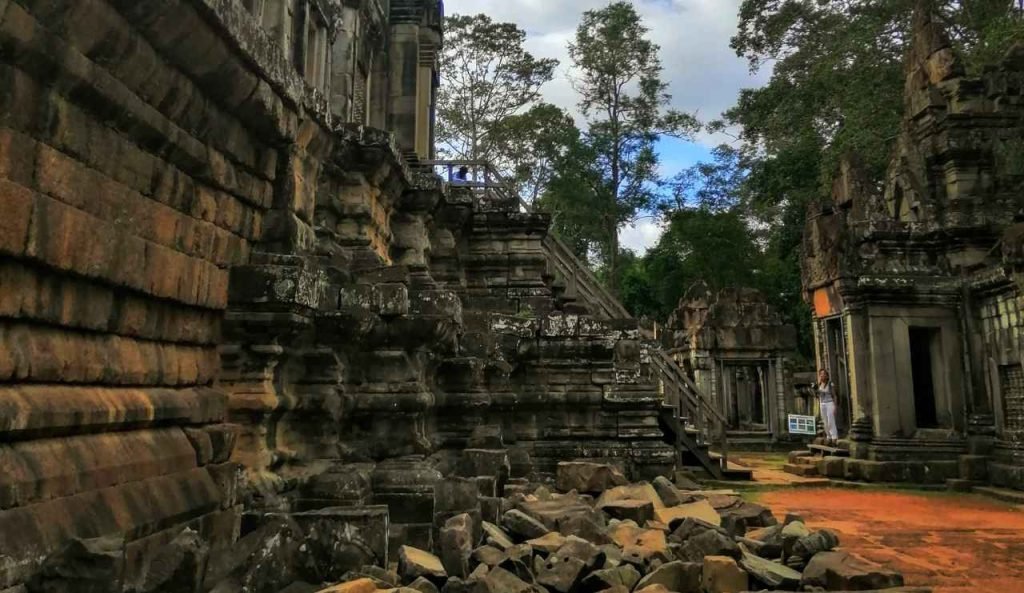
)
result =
(674, 516)
(548, 544)
(639, 491)
(674, 576)
(522, 525)
(709, 543)
(625, 576)
(721, 574)
(423, 585)
(496, 536)
(769, 574)
(560, 574)
(489, 555)
(839, 571)
(414, 563)
(363, 585)
(16, 203)
(456, 545)
(499, 580)
(587, 477)
(638, 511)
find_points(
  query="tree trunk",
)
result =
(613, 258)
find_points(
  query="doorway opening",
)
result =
(924, 342)
(836, 365)
(746, 390)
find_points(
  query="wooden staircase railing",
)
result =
(694, 423)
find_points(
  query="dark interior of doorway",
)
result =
(923, 341)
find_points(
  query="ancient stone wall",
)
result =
(218, 301)
(143, 155)
(741, 353)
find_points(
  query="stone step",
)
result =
(958, 485)
(800, 470)
(1003, 494)
(826, 451)
(807, 460)
(734, 471)
(794, 455)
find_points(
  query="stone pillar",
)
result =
(859, 359)
(343, 65)
(403, 57)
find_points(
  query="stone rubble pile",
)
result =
(598, 533)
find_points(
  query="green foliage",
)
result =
(613, 175)
(532, 145)
(836, 88)
(707, 237)
(487, 77)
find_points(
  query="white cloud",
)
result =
(641, 236)
(703, 72)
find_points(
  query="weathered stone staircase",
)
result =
(688, 420)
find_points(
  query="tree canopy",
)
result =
(487, 77)
(613, 174)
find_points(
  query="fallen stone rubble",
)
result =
(602, 534)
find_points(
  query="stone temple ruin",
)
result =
(250, 341)
(918, 286)
(740, 353)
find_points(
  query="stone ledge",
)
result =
(29, 411)
(41, 470)
(136, 509)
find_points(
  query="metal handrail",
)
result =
(667, 367)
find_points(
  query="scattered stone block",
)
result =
(496, 536)
(819, 541)
(488, 555)
(639, 491)
(674, 576)
(674, 516)
(522, 525)
(638, 511)
(721, 574)
(499, 580)
(560, 574)
(456, 545)
(708, 543)
(621, 576)
(357, 586)
(769, 574)
(587, 477)
(414, 563)
(839, 571)
(424, 585)
(548, 544)
(668, 492)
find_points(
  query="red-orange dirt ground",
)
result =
(954, 544)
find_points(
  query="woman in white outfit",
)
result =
(827, 401)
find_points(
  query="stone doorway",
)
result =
(746, 387)
(837, 367)
(924, 346)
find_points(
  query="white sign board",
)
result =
(803, 424)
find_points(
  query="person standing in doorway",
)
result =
(827, 402)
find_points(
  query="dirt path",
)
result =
(953, 543)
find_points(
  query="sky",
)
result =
(703, 73)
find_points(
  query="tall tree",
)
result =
(836, 85)
(625, 104)
(530, 146)
(487, 77)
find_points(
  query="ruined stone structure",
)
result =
(740, 352)
(916, 286)
(225, 292)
